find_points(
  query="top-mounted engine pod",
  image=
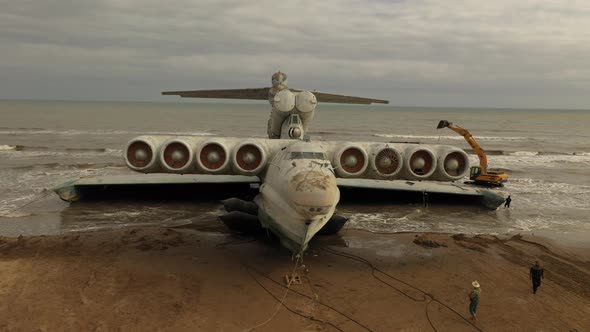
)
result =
(420, 162)
(212, 156)
(140, 154)
(176, 155)
(284, 101)
(351, 160)
(249, 158)
(305, 101)
(454, 164)
(387, 162)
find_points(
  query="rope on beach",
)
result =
(428, 316)
(309, 297)
(281, 302)
(425, 294)
(248, 269)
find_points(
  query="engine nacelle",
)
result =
(420, 163)
(176, 156)
(386, 161)
(350, 161)
(212, 157)
(141, 153)
(306, 102)
(249, 158)
(453, 164)
(284, 101)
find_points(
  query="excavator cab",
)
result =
(475, 172)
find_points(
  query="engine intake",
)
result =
(387, 162)
(421, 163)
(351, 161)
(140, 154)
(176, 156)
(249, 158)
(212, 157)
(452, 165)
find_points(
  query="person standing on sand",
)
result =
(536, 276)
(474, 299)
(507, 202)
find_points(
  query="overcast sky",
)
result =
(500, 53)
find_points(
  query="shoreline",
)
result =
(181, 278)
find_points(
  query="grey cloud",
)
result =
(421, 52)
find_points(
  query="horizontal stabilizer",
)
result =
(263, 94)
(257, 93)
(323, 97)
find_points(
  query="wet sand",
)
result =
(183, 279)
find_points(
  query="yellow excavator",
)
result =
(479, 175)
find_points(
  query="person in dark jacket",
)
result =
(536, 274)
(507, 202)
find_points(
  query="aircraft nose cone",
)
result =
(314, 188)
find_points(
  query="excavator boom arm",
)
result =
(483, 159)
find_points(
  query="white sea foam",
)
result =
(7, 147)
(455, 137)
(14, 214)
(533, 160)
(74, 132)
(523, 153)
(114, 151)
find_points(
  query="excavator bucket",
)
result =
(443, 124)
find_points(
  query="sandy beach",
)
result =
(183, 279)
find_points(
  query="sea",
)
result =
(43, 143)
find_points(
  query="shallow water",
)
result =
(546, 153)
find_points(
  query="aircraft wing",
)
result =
(256, 93)
(356, 190)
(160, 186)
(323, 97)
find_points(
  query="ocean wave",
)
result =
(523, 153)
(10, 207)
(454, 137)
(72, 132)
(14, 214)
(538, 186)
(56, 165)
(7, 147)
(535, 160)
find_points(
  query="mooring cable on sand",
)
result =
(281, 302)
(425, 294)
(250, 269)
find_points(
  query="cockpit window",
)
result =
(308, 155)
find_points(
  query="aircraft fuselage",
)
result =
(298, 194)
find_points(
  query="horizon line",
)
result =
(245, 101)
